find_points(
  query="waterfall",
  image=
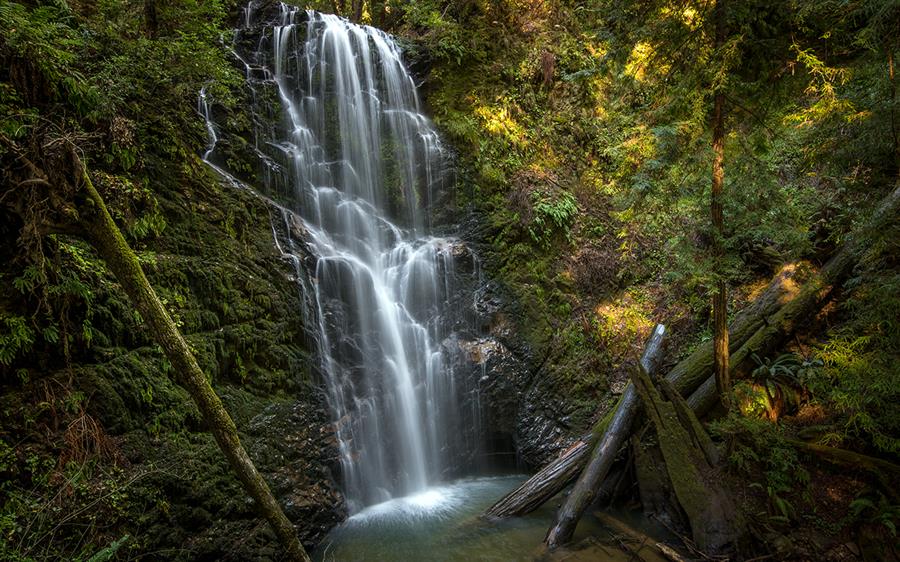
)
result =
(356, 167)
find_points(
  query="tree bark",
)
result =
(545, 484)
(895, 134)
(604, 453)
(720, 297)
(689, 421)
(106, 237)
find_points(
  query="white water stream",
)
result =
(349, 153)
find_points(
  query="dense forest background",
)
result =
(583, 138)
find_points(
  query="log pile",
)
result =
(762, 328)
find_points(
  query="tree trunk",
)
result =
(106, 237)
(151, 18)
(658, 500)
(604, 453)
(895, 134)
(720, 297)
(545, 484)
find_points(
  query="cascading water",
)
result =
(351, 171)
(356, 165)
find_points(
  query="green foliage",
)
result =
(877, 510)
(17, 337)
(757, 447)
(110, 551)
(861, 360)
(446, 38)
(551, 213)
(47, 39)
(623, 129)
(69, 507)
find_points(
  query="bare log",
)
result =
(617, 433)
(535, 491)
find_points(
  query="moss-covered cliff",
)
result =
(98, 445)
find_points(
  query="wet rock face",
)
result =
(498, 375)
(542, 428)
(293, 445)
(522, 424)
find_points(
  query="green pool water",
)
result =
(442, 524)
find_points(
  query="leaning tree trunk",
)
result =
(585, 488)
(106, 237)
(686, 375)
(809, 298)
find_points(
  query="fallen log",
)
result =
(617, 432)
(689, 421)
(641, 539)
(809, 299)
(535, 491)
(717, 526)
(886, 472)
(558, 474)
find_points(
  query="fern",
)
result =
(17, 337)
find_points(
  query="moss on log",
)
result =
(716, 525)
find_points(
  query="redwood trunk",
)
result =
(720, 297)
